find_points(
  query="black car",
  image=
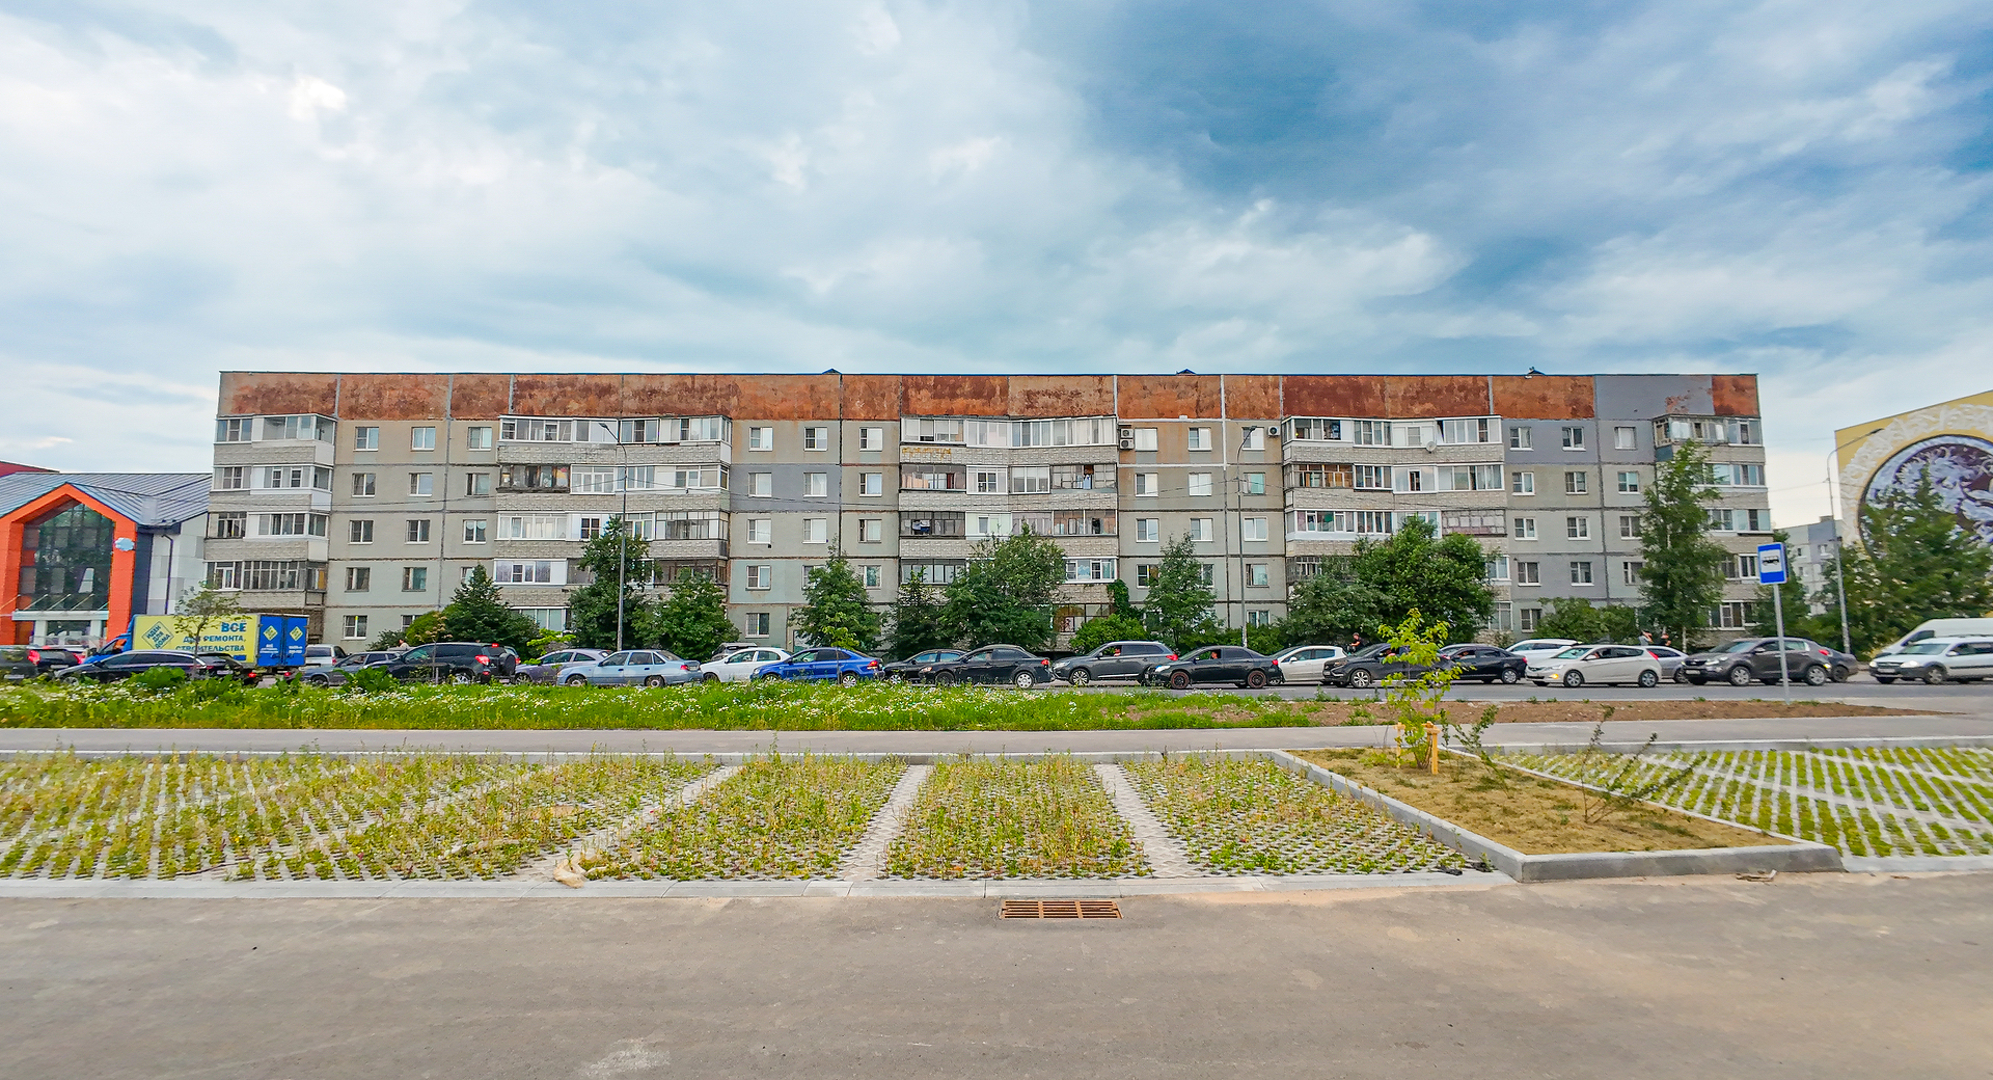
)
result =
(1485, 662)
(453, 661)
(1745, 659)
(1371, 665)
(1216, 664)
(914, 668)
(991, 664)
(224, 666)
(1114, 660)
(114, 667)
(29, 661)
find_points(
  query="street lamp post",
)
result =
(623, 522)
(1840, 545)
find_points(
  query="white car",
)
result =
(1583, 664)
(741, 664)
(1305, 663)
(1538, 648)
(1936, 660)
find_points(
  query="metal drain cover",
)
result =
(1060, 909)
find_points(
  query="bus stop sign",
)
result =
(1771, 564)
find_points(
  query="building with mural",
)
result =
(1951, 442)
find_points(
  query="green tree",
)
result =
(1580, 620)
(201, 608)
(1118, 602)
(1682, 569)
(916, 619)
(692, 619)
(1179, 609)
(478, 613)
(592, 608)
(1102, 629)
(1914, 564)
(1444, 579)
(1006, 593)
(836, 610)
(1334, 605)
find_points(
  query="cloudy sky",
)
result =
(1798, 189)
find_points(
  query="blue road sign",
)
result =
(1771, 564)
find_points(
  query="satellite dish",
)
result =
(123, 543)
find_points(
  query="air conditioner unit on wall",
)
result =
(1127, 438)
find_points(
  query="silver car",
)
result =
(632, 667)
(547, 667)
(1671, 661)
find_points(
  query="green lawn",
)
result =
(729, 706)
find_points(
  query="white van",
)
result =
(1946, 628)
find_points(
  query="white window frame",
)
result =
(1145, 440)
(761, 439)
(417, 436)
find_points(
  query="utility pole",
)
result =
(623, 521)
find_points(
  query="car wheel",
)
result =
(1841, 674)
(1815, 675)
(1361, 679)
(1179, 680)
(1023, 680)
(1739, 676)
(1934, 675)
(944, 678)
(1650, 679)
(1574, 679)
(1510, 676)
(458, 678)
(1080, 677)
(849, 678)
(1680, 676)
(319, 681)
(576, 680)
(654, 681)
(710, 677)
(1885, 680)
(1255, 680)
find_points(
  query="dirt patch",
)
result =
(1532, 815)
(1590, 712)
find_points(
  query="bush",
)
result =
(1096, 632)
(160, 679)
(370, 680)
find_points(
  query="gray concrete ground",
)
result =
(1807, 977)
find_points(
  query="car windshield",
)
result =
(1744, 645)
(1371, 650)
(1570, 654)
(1926, 648)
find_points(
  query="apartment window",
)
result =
(1373, 477)
(228, 526)
(754, 624)
(1373, 433)
(1145, 574)
(230, 478)
(1739, 615)
(986, 481)
(816, 438)
(359, 578)
(1577, 528)
(872, 483)
(278, 477)
(422, 438)
(1256, 575)
(363, 485)
(414, 578)
(360, 531)
(759, 576)
(1464, 431)
(1148, 483)
(477, 484)
(1031, 479)
(237, 430)
(1199, 438)
(1722, 520)
(871, 438)
(464, 573)
(529, 572)
(1145, 439)
(1089, 570)
(1525, 528)
(290, 524)
(871, 530)
(1252, 528)
(476, 531)
(590, 527)
(224, 575)
(761, 438)
(1148, 530)
(1201, 530)
(1522, 483)
(760, 530)
(1623, 438)
(1204, 573)
(1518, 437)
(355, 627)
(1744, 432)
(761, 485)
(1316, 428)
(1629, 526)
(1581, 572)
(1528, 618)
(1629, 482)
(1496, 569)
(421, 484)
(1757, 520)
(1629, 572)
(1528, 573)
(418, 530)
(816, 530)
(1200, 483)
(816, 485)
(871, 577)
(1575, 482)
(366, 438)
(1083, 477)
(1255, 439)
(1574, 438)
(1255, 482)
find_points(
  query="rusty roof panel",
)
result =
(1255, 397)
(566, 395)
(871, 397)
(1734, 395)
(1061, 395)
(1164, 397)
(789, 397)
(1419, 396)
(680, 394)
(399, 396)
(1334, 395)
(278, 392)
(954, 395)
(480, 396)
(1544, 397)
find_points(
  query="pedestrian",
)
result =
(1664, 639)
(1355, 642)
(1646, 638)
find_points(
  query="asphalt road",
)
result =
(1861, 690)
(1808, 977)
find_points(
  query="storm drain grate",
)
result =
(1061, 909)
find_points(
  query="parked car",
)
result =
(632, 667)
(1756, 658)
(224, 666)
(1582, 664)
(915, 668)
(453, 661)
(1949, 629)
(740, 665)
(1840, 665)
(30, 661)
(991, 664)
(1485, 662)
(1534, 648)
(323, 655)
(1114, 660)
(826, 664)
(549, 665)
(1370, 665)
(337, 674)
(1671, 661)
(1937, 660)
(113, 667)
(1307, 663)
(1215, 664)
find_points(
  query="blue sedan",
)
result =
(632, 667)
(842, 666)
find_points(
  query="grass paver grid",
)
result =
(1252, 817)
(778, 818)
(1871, 801)
(1049, 818)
